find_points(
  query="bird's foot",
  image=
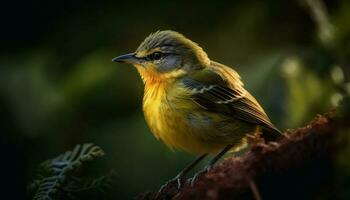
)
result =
(176, 181)
(194, 179)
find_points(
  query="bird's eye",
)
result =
(156, 56)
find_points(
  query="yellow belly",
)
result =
(181, 124)
(169, 123)
(174, 130)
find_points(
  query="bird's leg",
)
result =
(210, 164)
(178, 179)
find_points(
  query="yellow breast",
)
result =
(167, 117)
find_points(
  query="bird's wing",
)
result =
(216, 93)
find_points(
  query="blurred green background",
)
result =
(58, 86)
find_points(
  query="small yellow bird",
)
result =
(193, 103)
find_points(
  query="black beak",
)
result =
(127, 58)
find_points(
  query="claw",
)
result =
(197, 175)
(176, 180)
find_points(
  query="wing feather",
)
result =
(217, 94)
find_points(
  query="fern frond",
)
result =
(99, 184)
(61, 166)
(73, 159)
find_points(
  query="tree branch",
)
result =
(235, 177)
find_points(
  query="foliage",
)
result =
(58, 177)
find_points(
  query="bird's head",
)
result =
(166, 55)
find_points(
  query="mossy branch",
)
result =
(235, 177)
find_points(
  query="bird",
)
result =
(193, 103)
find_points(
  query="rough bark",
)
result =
(238, 177)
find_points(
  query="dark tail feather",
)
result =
(271, 133)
